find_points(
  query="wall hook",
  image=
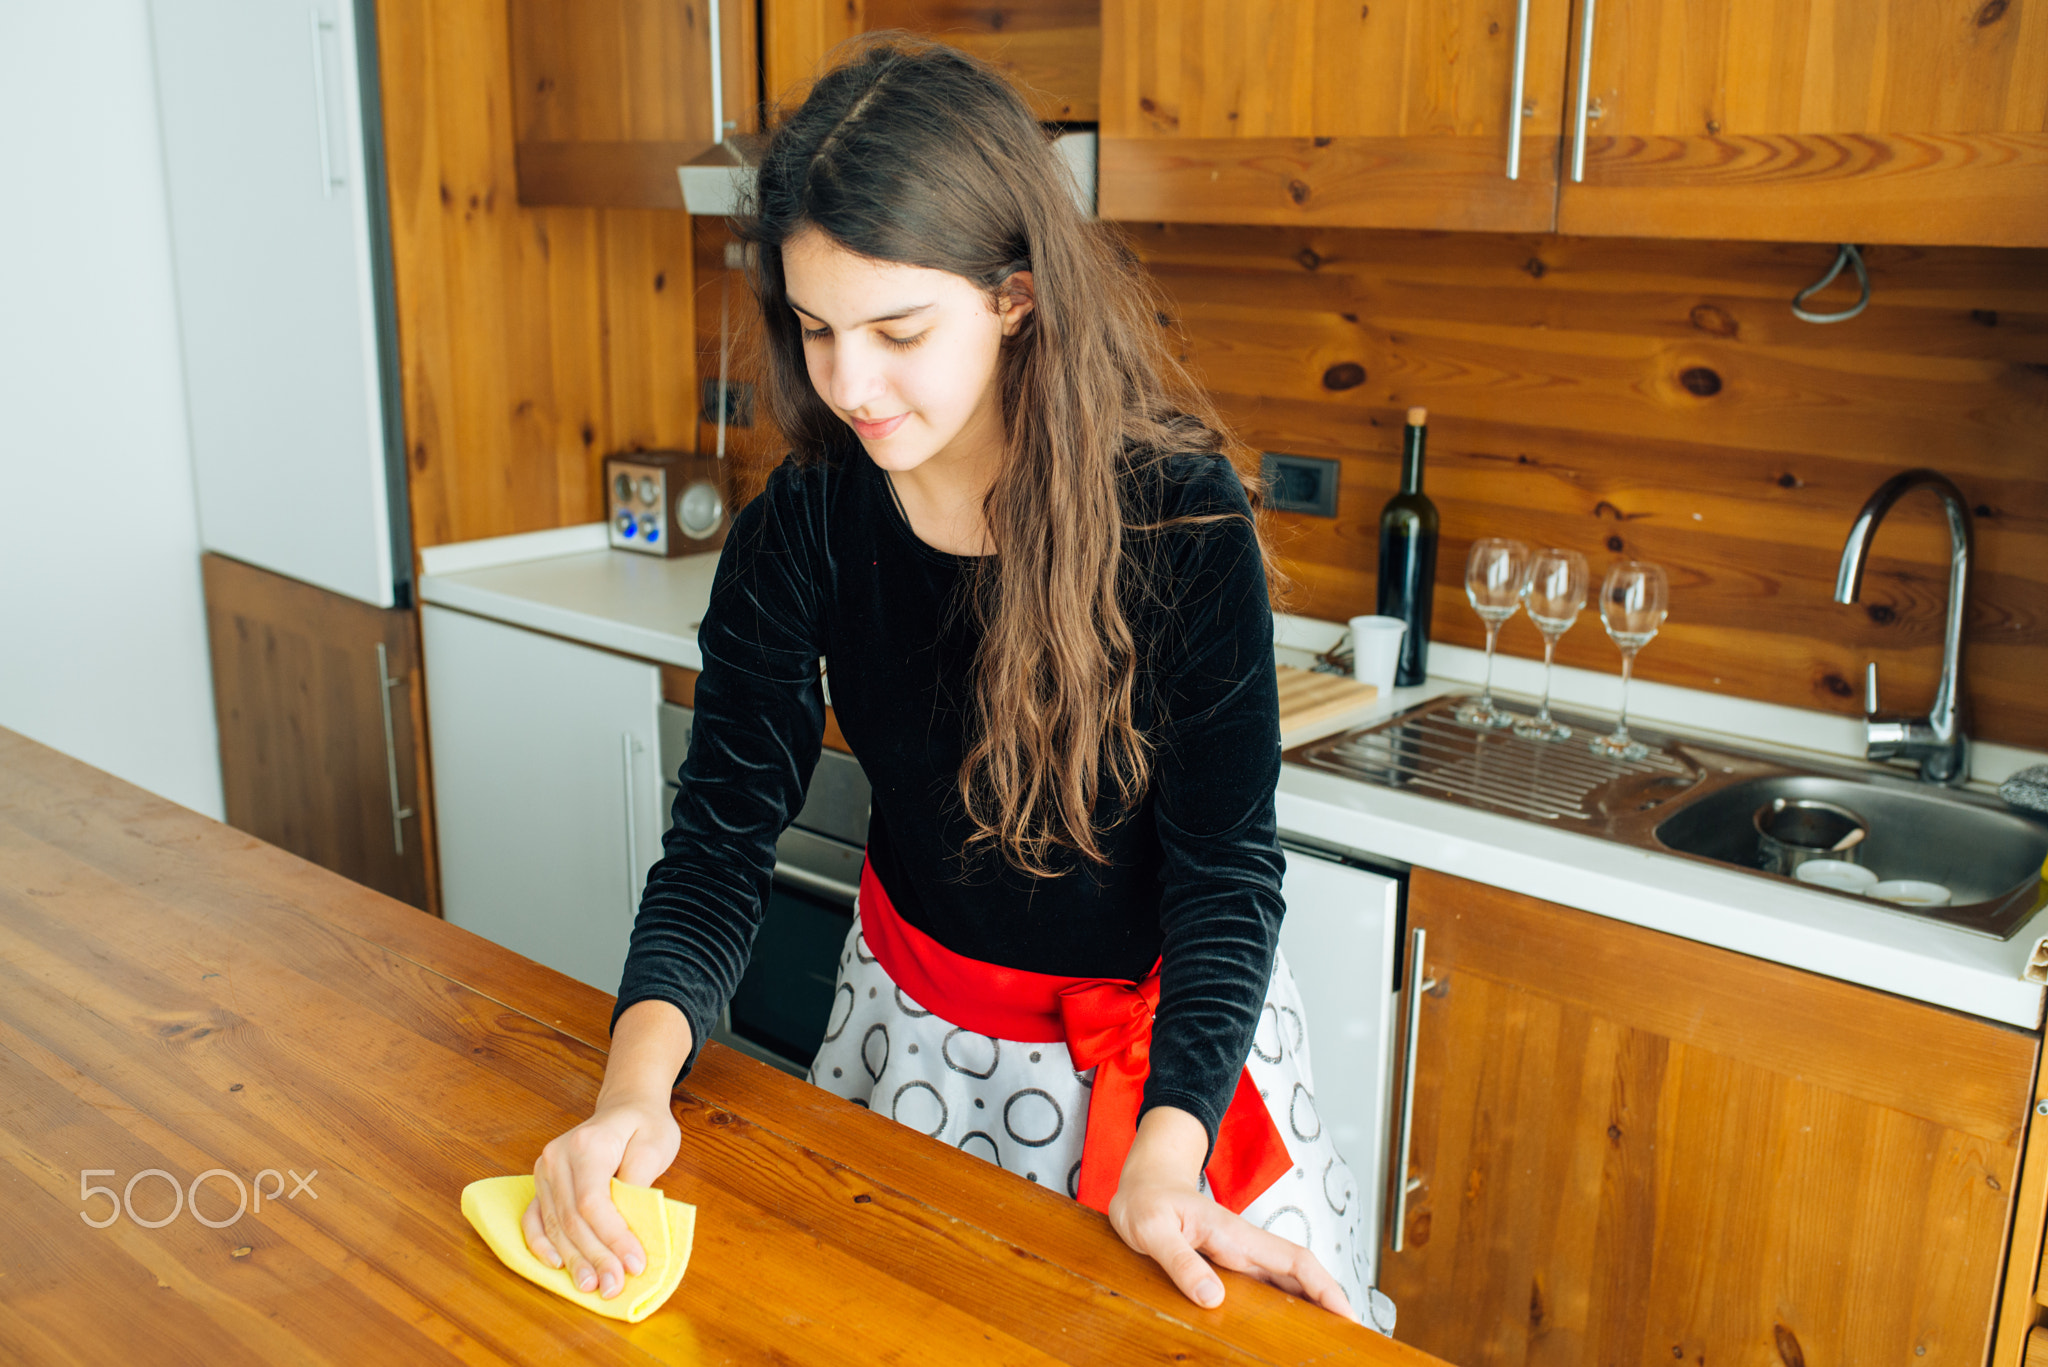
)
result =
(1847, 254)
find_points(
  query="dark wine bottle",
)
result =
(1408, 555)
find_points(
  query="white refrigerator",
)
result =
(273, 157)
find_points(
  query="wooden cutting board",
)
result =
(1310, 700)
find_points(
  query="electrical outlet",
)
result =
(739, 403)
(1300, 484)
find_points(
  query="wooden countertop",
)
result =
(176, 995)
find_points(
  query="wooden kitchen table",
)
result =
(178, 997)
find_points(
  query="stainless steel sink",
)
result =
(1697, 801)
(1984, 853)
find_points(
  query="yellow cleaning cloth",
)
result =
(665, 1229)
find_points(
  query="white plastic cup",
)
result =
(1376, 650)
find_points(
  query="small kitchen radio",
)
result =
(665, 502)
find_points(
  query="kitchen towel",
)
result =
(665, 1229)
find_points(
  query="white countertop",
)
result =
(568, 583)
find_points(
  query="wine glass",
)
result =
(1557, 590)
(1496, 577)
(1632, 605)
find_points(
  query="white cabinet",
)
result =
(547, 789)
(1338, 937)
(273, 163)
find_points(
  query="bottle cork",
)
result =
(1418, 417)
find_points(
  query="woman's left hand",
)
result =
(1159, 1211)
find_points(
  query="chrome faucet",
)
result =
(1936, 740)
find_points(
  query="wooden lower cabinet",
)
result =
(1632, 1148)
(2023, 1307)
(300, 695)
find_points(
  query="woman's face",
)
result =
(905, 355)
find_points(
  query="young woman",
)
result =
(1008, 531)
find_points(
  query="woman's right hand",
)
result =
(572, 1218)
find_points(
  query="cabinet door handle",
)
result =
(1516, 95)
(385, 683)
(1403, 1183)
(717, 88)
(1585, 93)
(817, 883)
(634, 873)
(329, 182)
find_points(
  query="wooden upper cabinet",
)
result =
(796, 35)
(609, 97)
(1912, 121)
(1051, 48)
(1361, 113)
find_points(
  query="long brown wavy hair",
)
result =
(907, 151)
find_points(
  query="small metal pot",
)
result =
(1790, 831)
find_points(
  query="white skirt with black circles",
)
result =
(1022, 1106)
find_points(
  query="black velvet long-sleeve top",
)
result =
(823, 566)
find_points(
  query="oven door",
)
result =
(1342, 937)
(779, 1010)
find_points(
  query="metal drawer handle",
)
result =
(1585, 93)
(385, 683)
(1417, 985)
(1515, 110)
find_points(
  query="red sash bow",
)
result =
(1106, 1024)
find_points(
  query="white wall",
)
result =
(102, 630)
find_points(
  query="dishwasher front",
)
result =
(1340, 936)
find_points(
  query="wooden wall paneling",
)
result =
(532, 339)
(1917, 121)
(610, 96)
(1051, 48)
(650, 336)
(1631, 1145)
(1656, 399)
(1393, 114)
(302, 742)
(750, 452)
